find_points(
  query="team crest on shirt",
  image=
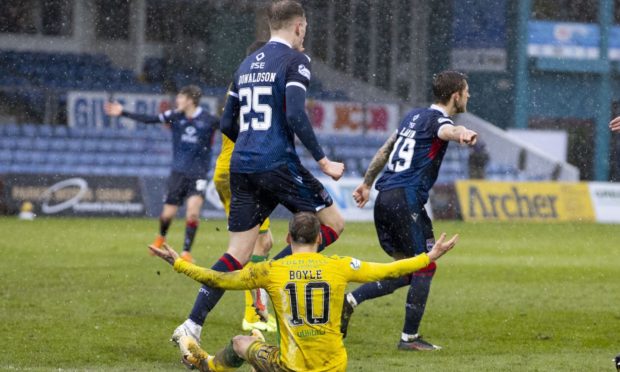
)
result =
(260, 56)
(304, 71)
(355, 264)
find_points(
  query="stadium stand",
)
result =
(146, 151)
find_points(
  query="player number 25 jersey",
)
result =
(265, 140)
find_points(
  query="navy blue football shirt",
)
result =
(192, 139)
(265, 140)
(417, 153)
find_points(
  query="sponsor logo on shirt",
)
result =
(190, 135)
(304, 71)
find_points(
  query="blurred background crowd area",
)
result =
(543, 75)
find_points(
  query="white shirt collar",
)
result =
(440, 109)
(197, 112)
(280, 40)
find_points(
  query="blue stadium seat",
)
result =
(45, 131)
(24, 143)
(90, 145)
(11, 130)
(41, 144)
(59, 144)
(39, 157)
(74, 144)
(5, 156)
(7, 143)
(134, 159)
(22, 157)
(78, 132)
(105, 145)
(86, 158)
(61, 131)
(29, 130)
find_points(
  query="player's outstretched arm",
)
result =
(441, 246)
(115, 109)
(458, 133)
(614, 125)
(166, 253)
(248, 278)
(370, 271)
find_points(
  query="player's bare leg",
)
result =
(332, 225)
(238, 254)
(192, 219)
(332, 217)
(165, 219)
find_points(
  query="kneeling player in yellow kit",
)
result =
(307, 291)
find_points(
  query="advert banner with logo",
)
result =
(352, 117)
(54, 195)
(606, 199)
(524, 201)
(85, 109)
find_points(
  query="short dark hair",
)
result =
(283, 11)
(256, 45)
(193, 92)
(304, 227)
(447, 83)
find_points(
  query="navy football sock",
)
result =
(207, 296)
(328, 236)
(190, 233)
(381, 288)
(416, 299)
(164, 225)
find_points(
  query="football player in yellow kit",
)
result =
(307, 291)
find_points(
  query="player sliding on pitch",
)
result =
(307, 292)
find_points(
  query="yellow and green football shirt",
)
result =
(307, 291)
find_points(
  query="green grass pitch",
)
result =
(82, 294)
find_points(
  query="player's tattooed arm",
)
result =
(379, 160)
(361, 194)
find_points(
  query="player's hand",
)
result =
(440, 248)
(333, 169)
(361, 195)
(166, 253)
(468, 137)
(614, 125)
(113, 108)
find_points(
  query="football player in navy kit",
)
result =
(264, 111)
(413, 155)
(193, 130)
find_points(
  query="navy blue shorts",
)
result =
(256, 195)
(181, 187)
(402, 224)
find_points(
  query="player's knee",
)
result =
(265, 242)
(192, 218)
